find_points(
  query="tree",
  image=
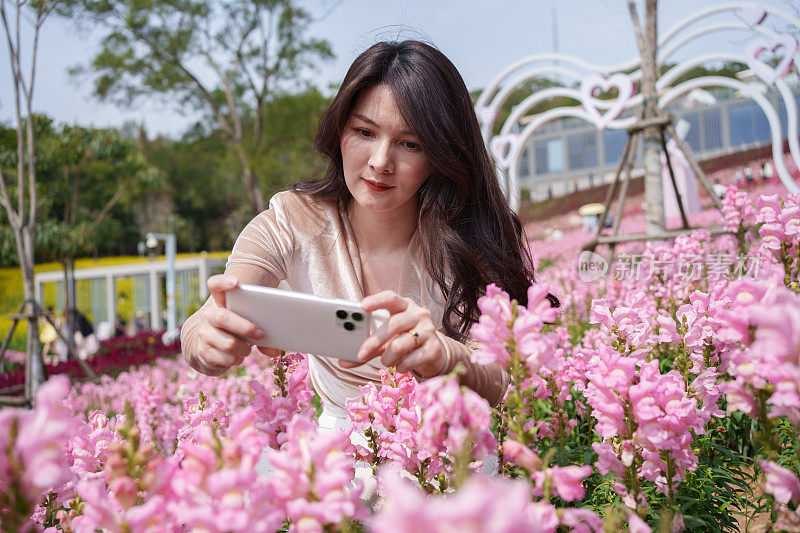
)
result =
(22, 218)
(200, 162)
(85, 172)
(225, 58)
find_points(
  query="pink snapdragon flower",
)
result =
(565, 481)
(35, 459)
(607, 459)
(637, 525)
(275, 407)
(492, 331)
(628, 325)
(781, 482)
(215, 486)
(664, 412)
(609, 378)
(452, 418)
(737, 209)
(312, 482)
(769, 208)
(521, 454)
(481, 505)
(773, 355)
(392, 416)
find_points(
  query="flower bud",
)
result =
(115, 467)
(522, 455)
(63, 518)
(144, 453)
(114, 446)
(150, 472)
(231, 453)
(124, 489)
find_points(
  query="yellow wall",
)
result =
(11, 294)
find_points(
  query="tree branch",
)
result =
(238, 54)
(106, 208)
(637, 28)
(5, 201)
(156, 51)
(13, 52)
(32, 192)
(232, 112)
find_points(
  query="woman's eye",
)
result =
(411, 145)
(363, 133)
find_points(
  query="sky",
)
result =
(480, 37)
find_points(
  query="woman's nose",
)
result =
(381, 157)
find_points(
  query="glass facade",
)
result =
(613, 145)
(524, 163)
(571, 148)
(712, 126)
(549, 156)
(748, 123)
(582, 150)
(693, 136)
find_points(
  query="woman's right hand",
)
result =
(220, 332)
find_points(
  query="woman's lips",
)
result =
(374, 186)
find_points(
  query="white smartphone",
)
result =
(304, 323)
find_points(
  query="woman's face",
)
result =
(383, 161)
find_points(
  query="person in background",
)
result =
(737, 179)
(768, 172)
(748, 175)
(119, 327)
(139, 323)
(86, 343)
(48, 336)
(718, 188)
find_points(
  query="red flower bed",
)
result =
(115, 355)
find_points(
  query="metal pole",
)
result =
(172, 315)
(172, 322)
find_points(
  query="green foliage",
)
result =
(228, 59)
(202, 175)
(86, 178)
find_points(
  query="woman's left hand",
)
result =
(407, 341)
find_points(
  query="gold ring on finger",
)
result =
(416, 338)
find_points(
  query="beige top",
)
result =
(310, 244)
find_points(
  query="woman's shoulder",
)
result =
(304, 213)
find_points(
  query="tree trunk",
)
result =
(648, 45)
(250, 180)
(69, 302)
(34, 370)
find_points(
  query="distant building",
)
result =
(570, 151)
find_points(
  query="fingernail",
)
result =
(361, 355)
(260, 333)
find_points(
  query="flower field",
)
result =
(663, 396)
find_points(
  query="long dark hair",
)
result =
(469, 235)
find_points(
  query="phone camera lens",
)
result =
(341, 314)
(358, 317)
(349, 326)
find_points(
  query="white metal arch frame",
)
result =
(507, 147)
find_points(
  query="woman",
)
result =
(409, 217)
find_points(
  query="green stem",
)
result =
(670, 474)
(280, 373)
